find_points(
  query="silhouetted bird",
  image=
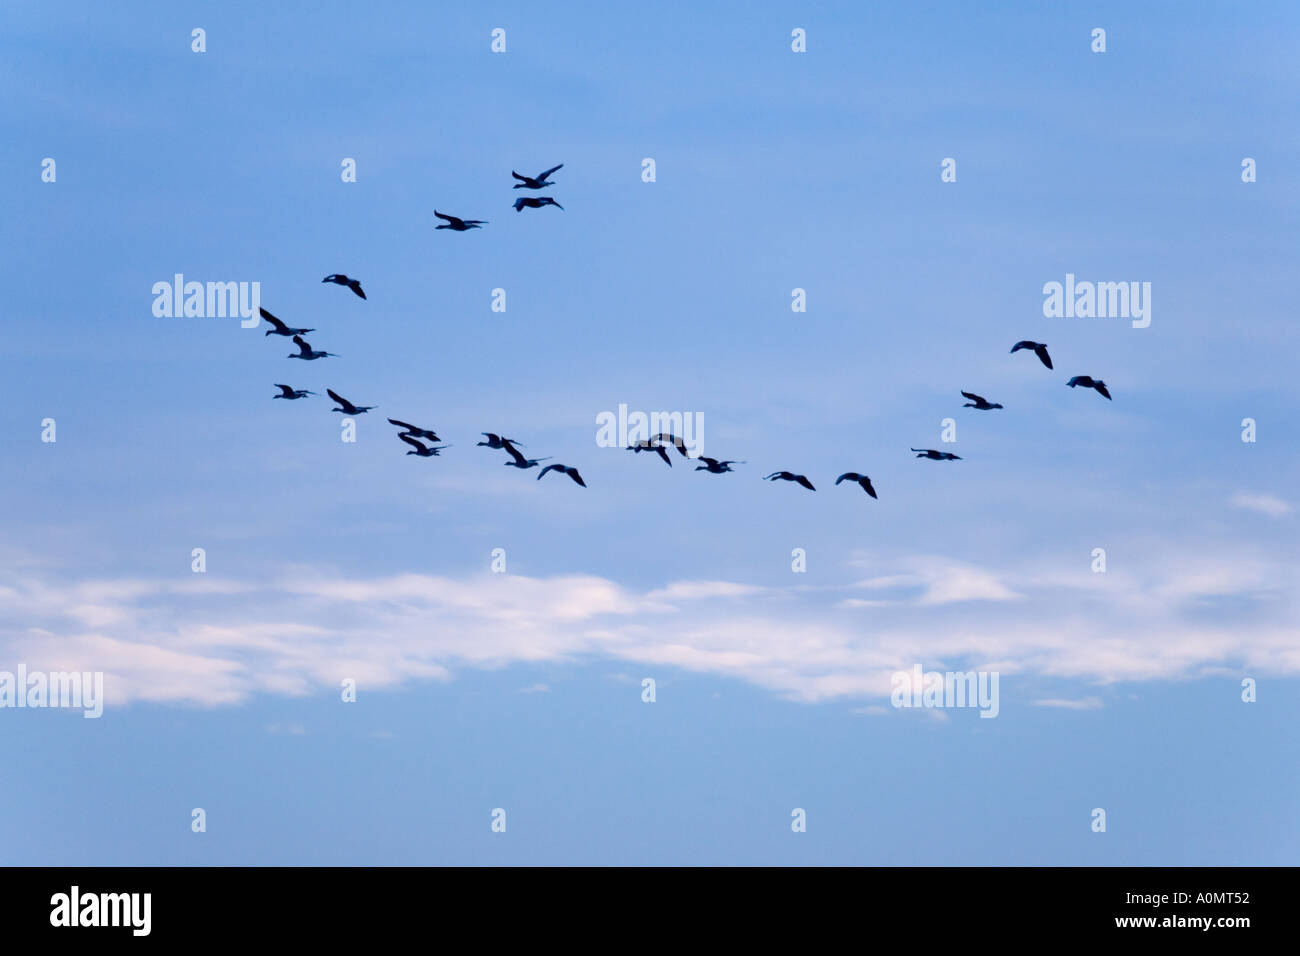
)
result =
(978, 402)
(348, 408)
(518, 460)
(565, 469)
(279, 328)
(416, 432)
(306, 352)
(715, 467)
(1087, 381)
(790, 476)
(1039, 349)
(535, 182)
(339, 279)
(937, 455)
(535, 202)
(291, 393)
(651, 446)
(423, 452)
(460, 225)
(496, 441)
(863, 480)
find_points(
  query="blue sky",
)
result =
(775, 170)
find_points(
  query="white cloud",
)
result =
(1264, 504)
(1083, 703)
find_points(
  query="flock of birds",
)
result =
(425, 442)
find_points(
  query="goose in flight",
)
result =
(1087, 381)
(936, 455)
(348, 408)
(420, 449)
(790, 476)
(977, 402)
(306, 352)
(291, 393)
(409, 429)
(863, 480)
(339, 279)
(517, 460)
(715, 467)
(648, 445)
(535, 202)
(563, 469)
(496, 441)
(673, 440)
(460, 225)
(535, 182)
(279, 328)
(1039, 348)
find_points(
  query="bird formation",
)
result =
(425, 443)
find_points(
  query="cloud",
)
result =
(1269, 505)
(1084, 703)
(308, 632)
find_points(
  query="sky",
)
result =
(521, 689)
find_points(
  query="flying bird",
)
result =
(518, 460)
(937, 455)
(535, 182)
(535, 202)
(977, 402)
(420, 449)
(291, 393)
(496, 441)
(863, 480)
(673, 440)
(306, 352)
(1039, 348)
(648, 445)
(339, 279)
(564, 469)
(1087, 381)
(279, 328)
(715, 467)
(460, 225)
(348, 408)
(413, 431)
(790, 476)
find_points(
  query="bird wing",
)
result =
(514, 453)
(973, 397)
(664, 455)
(1101, 387)
(849, 475)
(340, 399)
(573, 473)
(445, 216)
(866, 486)
(355, 286)
(522, 179)
(1041, 352)
(408, 427)
(303, 347)
(288, 392)
(411, 441)
(520, 204)
(542, 176)
(272, 319)
(548, 468)
(803, 480)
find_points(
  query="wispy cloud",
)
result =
(1264, 504)
(1083, 703)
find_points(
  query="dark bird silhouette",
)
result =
(348, 408)
(517, 460)
(1039, 349)
(863, 480)
(565, 469)
(291, 393)
(715, 467)
(978, 402)
(306, 352)
(279, 328)
(339, 279)
(651, 446)
(673, 440)
(413, 431)
(460, 225)
(496, 441)
(937, 455)
(535, 202)
(420, 449)
(535, 182)
(1087, 381)
(790, 476)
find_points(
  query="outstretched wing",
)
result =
(973, 397)
(542, 176)
(546, 469)
(288, 392)
(408, 427)
(866, 486)
(1102, 388)
(573, 473)
(522, 179)
(272, 319)
(1041, 352)
(514, 452)
(848, 476)
(338, 398)
(411, 441)
(805, 482)
(303, 347)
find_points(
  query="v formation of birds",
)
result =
(425, 442)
